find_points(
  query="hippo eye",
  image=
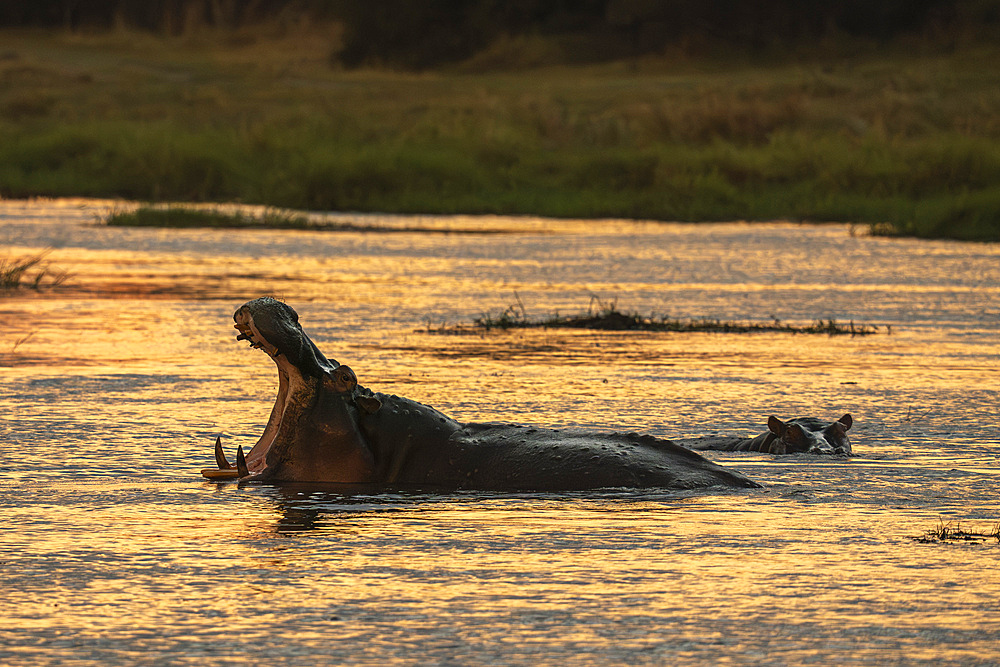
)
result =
(794, 434)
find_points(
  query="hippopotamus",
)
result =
(802, 434)
(325, 428)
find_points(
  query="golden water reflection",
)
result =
(520, 579)
(113, 548)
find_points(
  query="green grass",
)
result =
(179, 216)
(186, 217)
(605, 315)
(908, 143)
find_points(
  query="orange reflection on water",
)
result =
(114, 389)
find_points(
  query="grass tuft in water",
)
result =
(31, 272)
(605, 315)
(945, 532)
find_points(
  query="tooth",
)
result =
(220, 456)
(241, 463)
(243, 337)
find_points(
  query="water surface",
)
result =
(114, 386)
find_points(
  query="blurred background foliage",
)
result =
(430, 33)
(885, 113)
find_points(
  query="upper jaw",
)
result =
(273, 327)
(248, 332)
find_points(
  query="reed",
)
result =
(31, 272)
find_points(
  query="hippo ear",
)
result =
(847, 420)
(369, 404)
(776, 426)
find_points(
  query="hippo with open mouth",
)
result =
(800, 435)
(326, 428)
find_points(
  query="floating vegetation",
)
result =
(31, 272)
(945, 532)
(605, 315)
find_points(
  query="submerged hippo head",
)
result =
(810, 435)
(312, 433)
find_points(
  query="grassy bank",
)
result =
(909, 143)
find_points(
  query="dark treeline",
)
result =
(422, 34)
(162, 16)
(408, 34)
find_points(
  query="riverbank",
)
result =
(908, 143)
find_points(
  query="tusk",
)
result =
(241, 463)
(220, 456)
(225, 471)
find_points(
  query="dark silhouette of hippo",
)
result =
(803, 434)
(326, 428)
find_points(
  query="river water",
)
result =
(114, 386)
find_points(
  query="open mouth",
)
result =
(304, 376)
(254, 463)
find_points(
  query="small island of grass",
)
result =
(182, 217)
(605, 315)
(946, 532)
